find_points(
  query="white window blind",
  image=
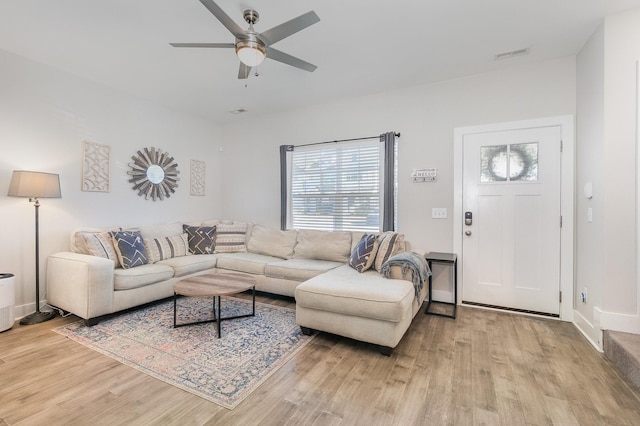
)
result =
(336, 187)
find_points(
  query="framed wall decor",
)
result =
(197, 177)
(154, 174)
(95, 167)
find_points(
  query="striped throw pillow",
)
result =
(101, 244)
(166, 247)
(391, 243)
(230, 238)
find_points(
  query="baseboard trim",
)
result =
(592, 333)
(618, 322)
(21, 311)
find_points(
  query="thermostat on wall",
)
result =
(424, 175)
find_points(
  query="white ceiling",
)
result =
(360, 46)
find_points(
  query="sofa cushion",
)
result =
(100, 244)
(201, 238)
(364, 254)
(391, 243)
(299, 269)
(345, 291)
(272, 242)
(126, 279)
(166, 247)
(323, 245)
(189, 264)
(130, 248)
(230, 238)
(160, 230)
(251, 263)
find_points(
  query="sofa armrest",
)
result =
(80, 283)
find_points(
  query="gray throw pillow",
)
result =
(130, 248)
(201, 238)
(364, 254)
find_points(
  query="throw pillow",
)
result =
(390, 243)
(130, 248)
(230, 238)
(100, 244)
(201, 239)
(166, 247)
(364, 254)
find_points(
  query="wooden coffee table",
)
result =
(214, 285)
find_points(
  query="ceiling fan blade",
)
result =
(244, 71)
(285, 58)
(224, 45)
(223, 17)
(288, 28)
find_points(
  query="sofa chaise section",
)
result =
(362, 306)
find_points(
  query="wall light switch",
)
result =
(589, 215)
(439, 213)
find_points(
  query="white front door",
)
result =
(512, 219)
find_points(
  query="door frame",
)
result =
(567, 198)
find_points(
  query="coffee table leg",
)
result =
(175, 297)
(219, 317)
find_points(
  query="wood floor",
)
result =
(483, 368)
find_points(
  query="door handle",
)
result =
(467, 233)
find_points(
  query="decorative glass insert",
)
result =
(516, 162)
(493, 163)
(523, 162)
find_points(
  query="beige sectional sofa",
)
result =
(311, 266)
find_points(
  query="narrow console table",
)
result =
(449, 259)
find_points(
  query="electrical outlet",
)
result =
(439, 213)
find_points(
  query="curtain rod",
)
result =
(343, 140)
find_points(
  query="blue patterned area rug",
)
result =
(224, 371)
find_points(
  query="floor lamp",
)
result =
(34, 185)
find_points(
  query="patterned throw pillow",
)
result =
(100, 244)
(364, 254)
(130, 248)
(201, 238)
(167, 247)
(390, 243)
(230, 238)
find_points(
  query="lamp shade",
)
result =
(34, 185)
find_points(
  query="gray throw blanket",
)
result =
(409, 260)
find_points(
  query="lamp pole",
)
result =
(38, 316)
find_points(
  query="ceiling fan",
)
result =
(252, 48)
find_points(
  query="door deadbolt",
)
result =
(468, 218)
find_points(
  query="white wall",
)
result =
(589, 242)
(45, 115)
(607, 155)
(425, 116)
(620, 298)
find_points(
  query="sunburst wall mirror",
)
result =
(154, 174)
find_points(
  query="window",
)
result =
(515, 162)
(338, 186)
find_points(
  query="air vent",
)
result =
(511, 54)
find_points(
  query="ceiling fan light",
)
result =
(251, 56)
(251, 52)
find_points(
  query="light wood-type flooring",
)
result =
(484, 367)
